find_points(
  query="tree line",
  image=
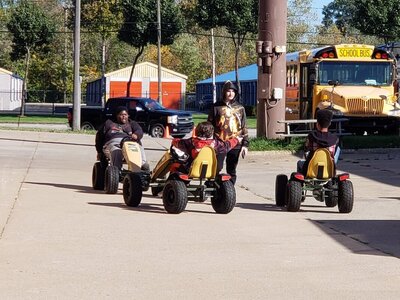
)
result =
(37, 35)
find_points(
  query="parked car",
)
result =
(151, 116)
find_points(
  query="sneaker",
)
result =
(146, 167)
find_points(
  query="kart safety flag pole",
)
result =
(76, 124)
(271, 51)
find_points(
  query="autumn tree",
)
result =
(239, 17)
(104, 18)
(32, 30)
(139, 27)
(300, 24)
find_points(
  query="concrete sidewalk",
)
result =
(61, 239)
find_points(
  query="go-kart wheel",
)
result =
(224, 199)
(331, 197)
(175, 196)
(132, 189)
(111, 180)
(98, 176)
(280, 189)
(294, 195)
(345, 196)
(155, 190)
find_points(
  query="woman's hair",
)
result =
(204, 130)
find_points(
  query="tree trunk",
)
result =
(128, 88)
(238, 44)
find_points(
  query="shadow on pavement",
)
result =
(80, 188)
(141, 208)
(150, 208)
(260, 206)
(373, 237)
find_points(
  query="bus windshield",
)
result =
(355, 73)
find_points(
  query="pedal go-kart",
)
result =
(320, 181)
(107, 177)
(200, 183)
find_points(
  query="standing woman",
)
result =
(229, 120)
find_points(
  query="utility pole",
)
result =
(159, 50)
(214, 88)
(76, 124)
(271, 50)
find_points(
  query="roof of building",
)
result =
(4, 71)
(247, 73)
(146, 69)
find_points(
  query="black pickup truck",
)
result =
(149, 114)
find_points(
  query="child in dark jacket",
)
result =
(204, 136)
(320, 138)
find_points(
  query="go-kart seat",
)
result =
(204, 166)
(321, 165)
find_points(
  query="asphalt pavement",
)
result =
(60, 239)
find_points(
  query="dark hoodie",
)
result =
(318, 139)
(229, 119)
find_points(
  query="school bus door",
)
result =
(307, 80)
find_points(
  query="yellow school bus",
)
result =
(357, 82)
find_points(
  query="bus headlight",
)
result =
(172, 119)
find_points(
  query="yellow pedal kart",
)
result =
(198, 184)
(107, 177)
(320, 182)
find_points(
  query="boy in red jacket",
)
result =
(204, 136)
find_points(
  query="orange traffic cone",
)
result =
(194, 132)
(166, 133)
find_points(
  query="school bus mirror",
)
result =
(333, 82)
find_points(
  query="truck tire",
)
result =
(87, 126)
(98, 176)
(280, 189)
(175, 196)
(157, 130)
(111, 180)
(132, 189)
(224, 199)
(345, 196)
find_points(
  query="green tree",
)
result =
(299, 25)
(140, 25)
(379, 18)
(32, 30)
(104, 18)
(239, 17)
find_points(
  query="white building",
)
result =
(10, 90)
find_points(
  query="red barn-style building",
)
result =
(144, 84)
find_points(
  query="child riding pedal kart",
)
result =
(188, 171)
(317, 174)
